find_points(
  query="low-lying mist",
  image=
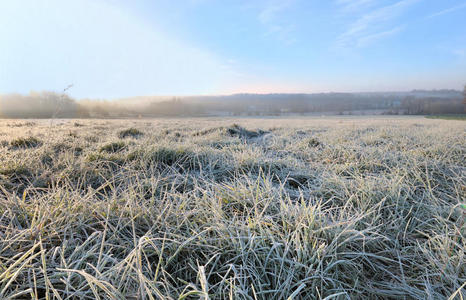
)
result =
(50, 104)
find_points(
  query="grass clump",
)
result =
(131, 132)
(99, 157)
(207, 131)
(237, 130)
(15, 170)
(113, 147)
(313, 142)
(25, 142)
(274, 168)
(22, 124)
(175, 157)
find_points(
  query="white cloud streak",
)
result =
(373, 25)
(448, 10)
(269, 17)
(355, 5)
(371, 38)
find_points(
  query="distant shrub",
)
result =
(28, 142)
(131, 132)
(113, 147)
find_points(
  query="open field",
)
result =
(233, 209)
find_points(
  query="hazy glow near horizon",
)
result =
(116, 48)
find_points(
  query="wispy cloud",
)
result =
(270, 11)
(448, 10)
(371, 38)
(459, 53)
(373, 25)
(355, 5)
(269, 16)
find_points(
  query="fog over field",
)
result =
(60, 105)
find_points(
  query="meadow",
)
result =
(297, 208)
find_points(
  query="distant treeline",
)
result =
(40, 105)
(49, 104)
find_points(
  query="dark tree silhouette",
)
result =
(464, 97)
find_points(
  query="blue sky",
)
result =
(111, 48)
